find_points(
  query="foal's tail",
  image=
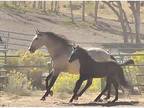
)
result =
(129, 62)
(123, 80)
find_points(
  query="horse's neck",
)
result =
(57, 50)
(85, 60)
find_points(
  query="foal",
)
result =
(90, 69)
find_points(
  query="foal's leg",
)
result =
(108, 93)
(77, 87)
(89, 82)
(106, 88)
(54, 77)
(116, 90)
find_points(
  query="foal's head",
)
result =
(77, 53)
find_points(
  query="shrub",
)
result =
(66, 83)
(18, 83)
(26, 59)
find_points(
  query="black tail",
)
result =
(129, 62)
(112, 57)
(123, 80)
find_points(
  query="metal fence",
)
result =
(15, 41)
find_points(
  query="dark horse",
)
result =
(90, 68)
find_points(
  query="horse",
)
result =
(90, 68)
(59, 49)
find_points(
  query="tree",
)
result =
(52, 6)
(34, 4)
(135, 8)
(40, 4)
(72, 16)
(44, 6)
(83, 11)
(96, 10)
(119, 11)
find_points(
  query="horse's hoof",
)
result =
(51, 93)
(98, 100)
(71, 101)
(106, 98)
(112, 101)
(43, 99)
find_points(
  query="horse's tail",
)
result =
(112, 57)
(123, 80)
(129, 62)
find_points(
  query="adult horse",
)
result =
(60, 48)
(89, 69)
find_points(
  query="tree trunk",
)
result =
(34, 4)
(55, 8)
(72, 16)
(96, 10)
(52, 6)
(44, 6)
(40, 4)
(83, 11)
(137, 22)
(123, 23)
(135, 8)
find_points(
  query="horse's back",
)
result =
(99, 54)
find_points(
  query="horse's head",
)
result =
(74, 54)
(37, 42)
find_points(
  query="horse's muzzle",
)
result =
(31, 50)
(70, 60)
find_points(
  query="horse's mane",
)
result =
(82, 50)
(60, 38)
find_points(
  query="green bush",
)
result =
(66, 83)
(18, 83)
(26, 59)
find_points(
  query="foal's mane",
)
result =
(59, 38)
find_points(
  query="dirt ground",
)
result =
(62, 99)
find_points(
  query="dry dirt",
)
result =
(12, 100)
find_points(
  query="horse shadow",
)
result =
(107, 104)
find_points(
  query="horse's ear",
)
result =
(37, 31)
(73, 47)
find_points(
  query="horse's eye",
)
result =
(36, 38)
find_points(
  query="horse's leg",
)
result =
(77, 87)
(54, 77)
(104, 90)
(116, 90)
(108, 93)
(89, 82)
(47, 79)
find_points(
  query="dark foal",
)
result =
(90, 69)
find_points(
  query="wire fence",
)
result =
(15, 41)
